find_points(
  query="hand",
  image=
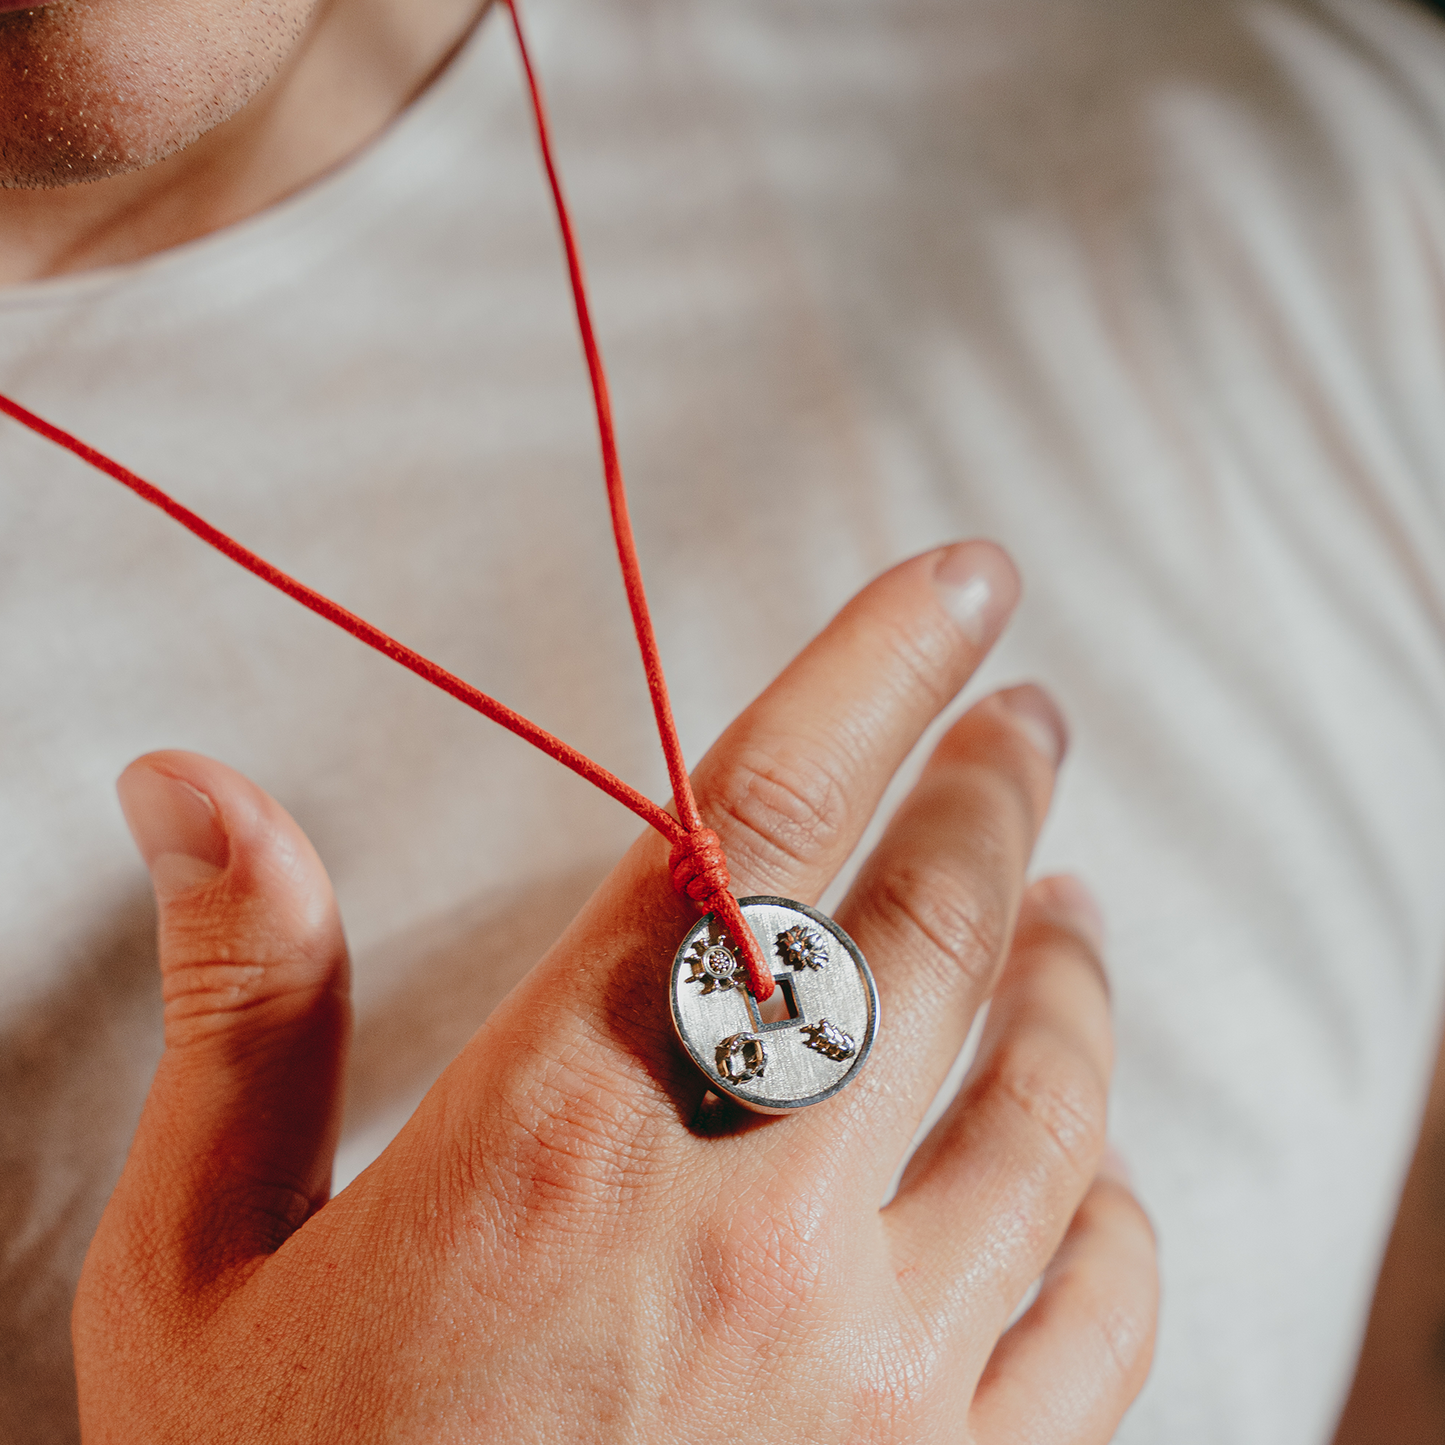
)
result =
(563, 1244)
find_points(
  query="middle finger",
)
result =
(934, 908)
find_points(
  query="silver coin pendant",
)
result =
(812, 1035)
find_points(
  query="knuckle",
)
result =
(766, 1265)
(1052, 945)
(785, 803)
(1125, 1326)
(1121, 1279)
(962, 933)
(1001, 781)
(569, 1158)
(202, 997)
(1059, 1096)
(223, 958)
(1112, 1321)
(1128, 1335)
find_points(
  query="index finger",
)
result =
(789, 787)
(792, 784)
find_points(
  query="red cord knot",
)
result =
(700, 869)
(700, 873)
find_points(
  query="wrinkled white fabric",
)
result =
(1153, 292)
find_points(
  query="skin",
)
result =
(568, 1242)
(129, 126)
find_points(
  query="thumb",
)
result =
(235, 1144)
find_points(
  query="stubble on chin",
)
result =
(94, 88)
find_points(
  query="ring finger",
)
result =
(1023, 1139)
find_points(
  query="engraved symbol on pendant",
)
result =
(802, 947)
(829, 1039)
(715, 968)
(741, 1057)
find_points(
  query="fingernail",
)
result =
(978, 587)
(1114, 1166)
(1069, 899)
(176, 829)
(1037, 716)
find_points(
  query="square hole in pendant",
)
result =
(781, 1007)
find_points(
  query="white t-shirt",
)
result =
(1152, 291)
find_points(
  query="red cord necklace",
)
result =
(805, 941)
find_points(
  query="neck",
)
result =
(358, 65)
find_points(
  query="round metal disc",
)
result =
(826, 1007)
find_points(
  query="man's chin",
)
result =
(70, 134)
(47, 162)
(90, 89)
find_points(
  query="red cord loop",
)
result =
(700, 869)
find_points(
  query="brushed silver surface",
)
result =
(775, 1068)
